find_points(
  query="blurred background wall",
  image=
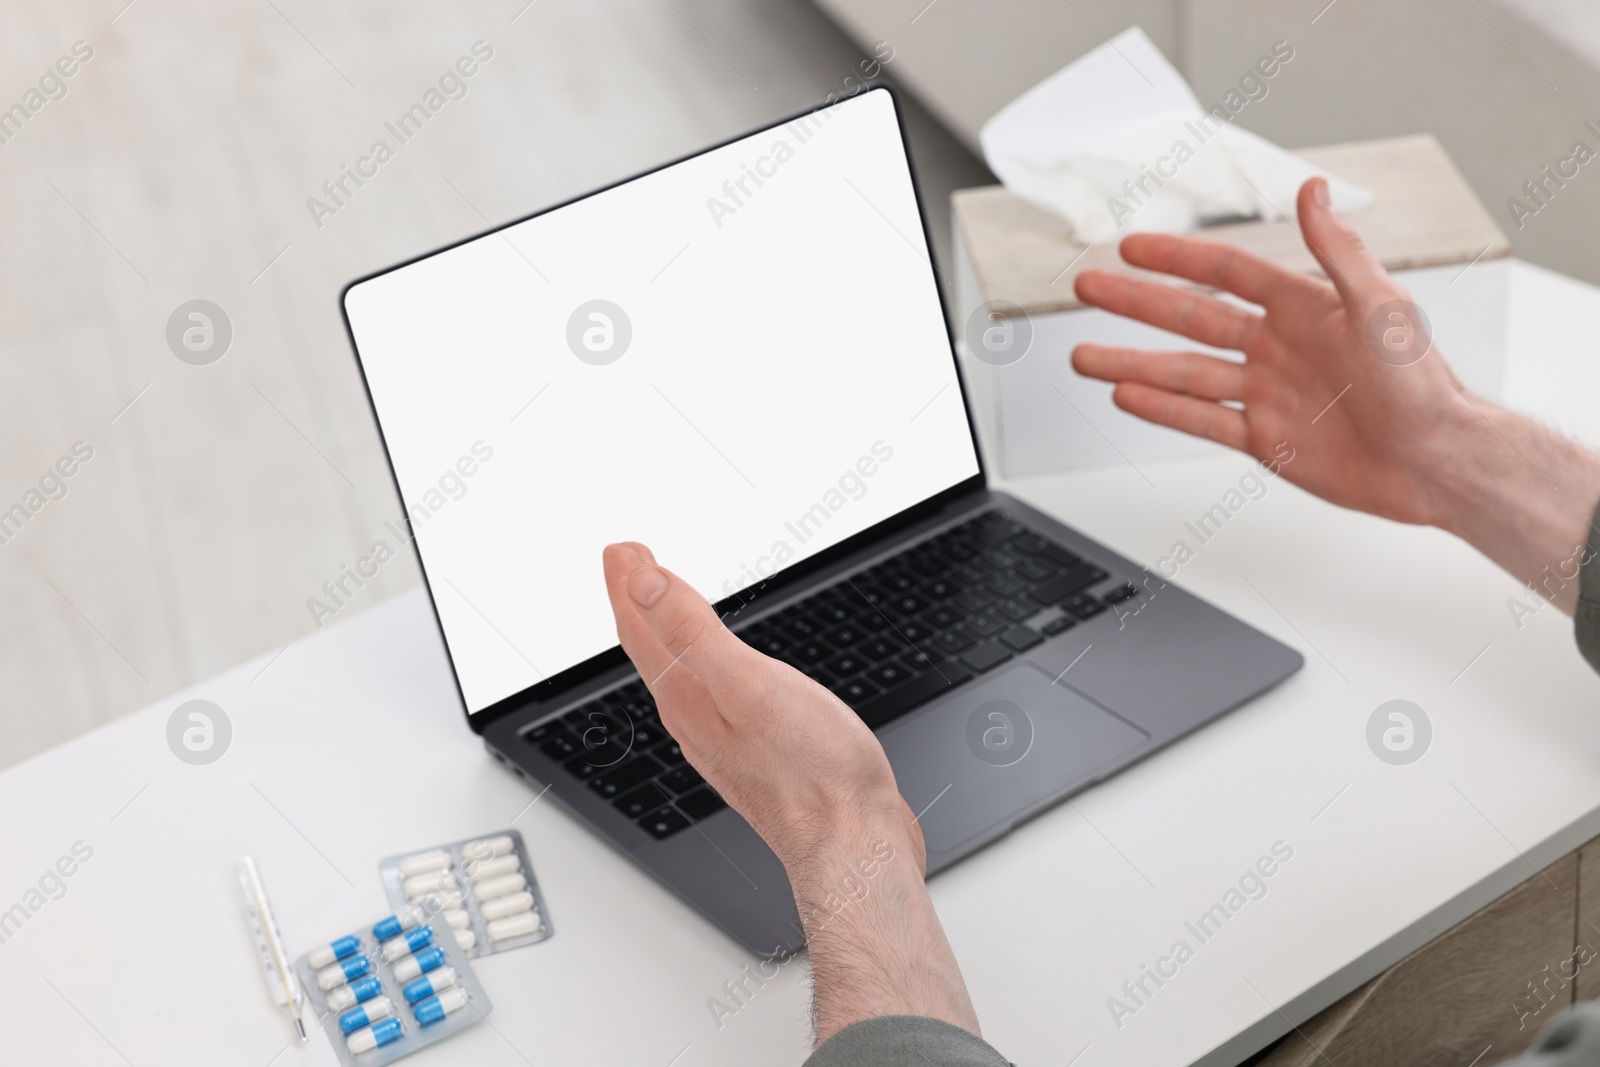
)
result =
(176, 163)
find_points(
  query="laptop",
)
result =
(742, 360)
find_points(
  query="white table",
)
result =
(350, 746)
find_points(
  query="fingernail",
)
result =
(625, 554)
(646, 585)
(1319, 193)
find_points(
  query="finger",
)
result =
(1198, 375)
(1210, 263)
(1201, 418)
(677, 691)
(1360, 278)
(684, 627)
(1167, 307)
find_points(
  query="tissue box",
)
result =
(1038, 415)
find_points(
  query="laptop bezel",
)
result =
(557, 685)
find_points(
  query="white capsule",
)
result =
(487, 848)
(432, 881)
(483, 871)
(500, 907)
(439, 901)
(513, 926)
(499, 887)
(456, 919)
(423, 862)
(466, 939)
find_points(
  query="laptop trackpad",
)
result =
(997, 750)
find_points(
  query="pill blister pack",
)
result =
(483, 889)
(392, 989)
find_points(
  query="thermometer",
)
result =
(281, 979)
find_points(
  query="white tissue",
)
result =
(1117, 142)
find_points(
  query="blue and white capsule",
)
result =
(357, 992)
(333, 951)
(366, 1014)
(410, 941)
(383, 1032)
(429, 984)
(408, 967)
(346, 970)
(404, 919)
(435, 1008)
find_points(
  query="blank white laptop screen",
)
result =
(739, 360)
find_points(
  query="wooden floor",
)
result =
(177, 166)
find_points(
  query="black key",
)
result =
(1006, 584)
(880, 648)
(837, 611)
(846, 665)
(891, 705)
(603, 746)
(960, 551)
(581, 718)
(1057, 554)
(544, 731)
(939, 590)
(928, 565)
(614, 781)
(1035, 571)
(812, 651)
(1017, 608)
(942, 618)
(700, 803)
(1062, 586)
(972, 574)
(845, 636)
(910, 604)
(641, 801)
(914, 631)
(640, 709)
(974, 600)
(1061, 625)
(1031, 543)
(901, 583)
(802, 628)
(1083, 606)
(855, 692)
(953, 642)
(582, 768)
(1125, 591)
(1020, 639)
(871, 621)
(681, 779)
(986, 656)
(645, 735)
(917, 661)
(889, 675)
(1002, 558)
(663, 823)
(633, 691)
(668, 753)
(561, 746)
(986, 625)
(994, 529)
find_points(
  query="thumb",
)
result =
(686, 626)
(1361, 280)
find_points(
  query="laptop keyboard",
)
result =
(885, 640)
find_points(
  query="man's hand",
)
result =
(1405, 442)
(813, 781)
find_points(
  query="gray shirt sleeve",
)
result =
(905, 1041)
(1586, 617)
